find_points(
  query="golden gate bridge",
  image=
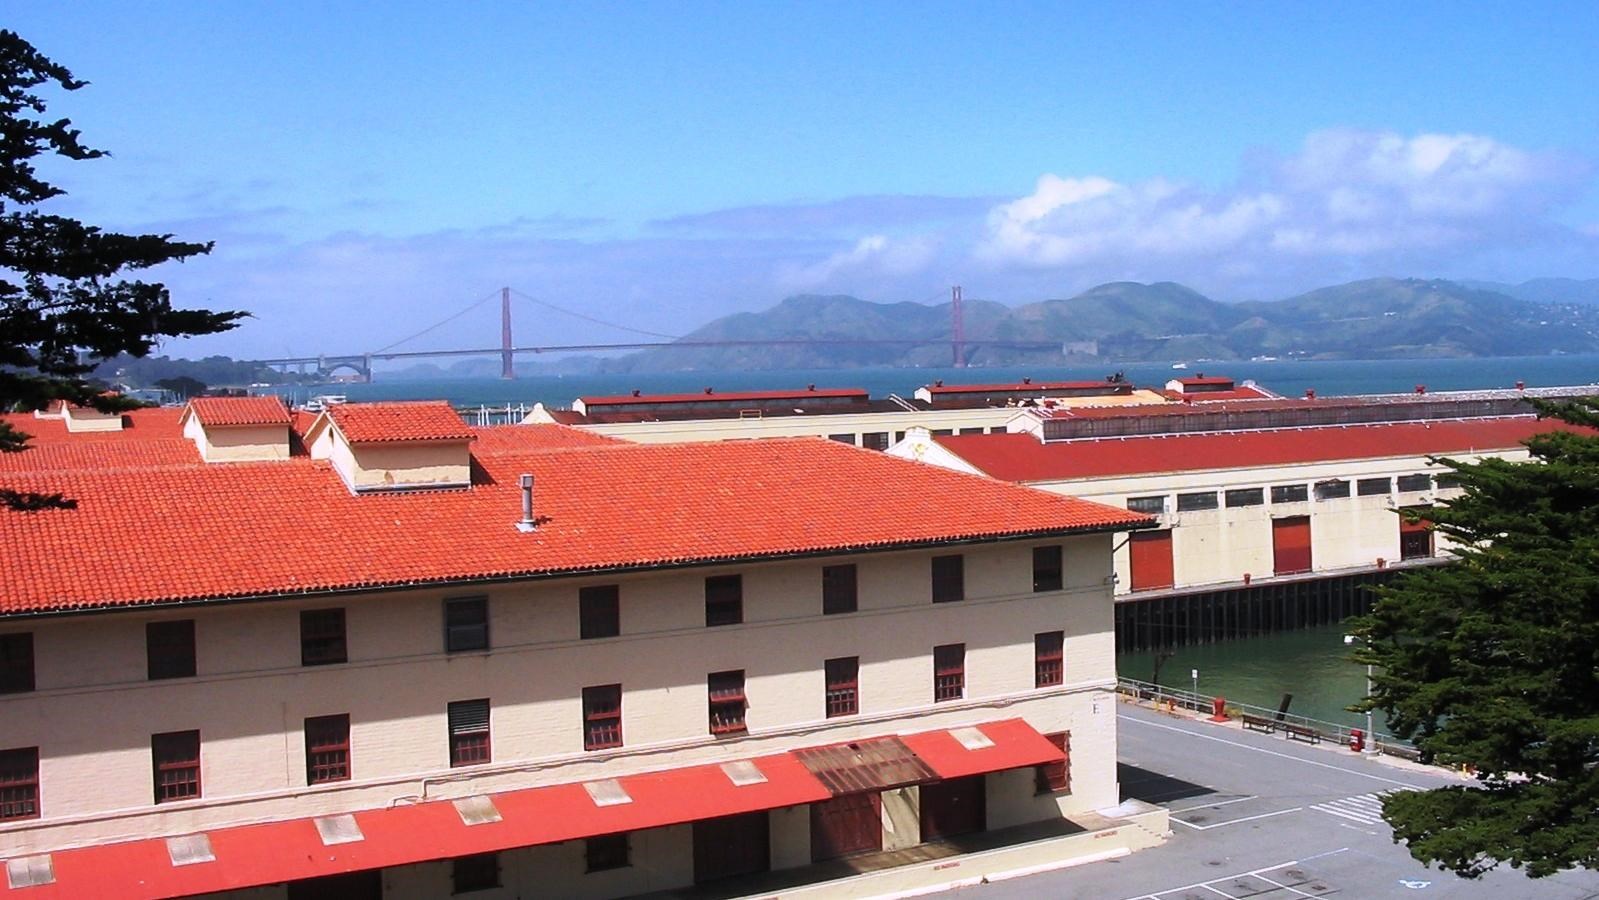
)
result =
(329, 364)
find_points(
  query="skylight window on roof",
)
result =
(607, 793)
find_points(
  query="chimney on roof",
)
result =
(707, 390)
(938, 383)
(635, 392)
(810, 387)
(1421, 389)
(1521, 385)
(1310, 393)
(1027, 379)
(527, 523)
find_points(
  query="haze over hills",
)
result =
(1378, 318)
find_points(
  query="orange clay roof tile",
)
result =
(197, 532)
(429, 420)
(226, 411)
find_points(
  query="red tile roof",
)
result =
(226, 411)
(499, 439)
(1241, 392)
(1022, 457)
(151, 423)
(50, 456)
(195, 532)
(709, 396)
(1107, 386)
(370, 423)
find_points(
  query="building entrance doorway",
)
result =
(366, 885)
(852, 823)
(953, 807)
(731, 846)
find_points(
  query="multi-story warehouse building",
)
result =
(1260, 528)
(390, 655)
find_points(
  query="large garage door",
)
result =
(1290, 545)
(849, 824)
(956, 806)
(732, 845)
(1151, 559)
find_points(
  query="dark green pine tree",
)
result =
(63, 308)
(1492, 662)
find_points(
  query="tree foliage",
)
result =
(1492, 662)
(63, 307)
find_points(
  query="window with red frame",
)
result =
(469, 732)
(1056, 777)
(727, 701)
(19, 783)
(602, 717)
(322, 637)
(16, 662)
(327, 749)
(843, 686)
(949, 672)
(176, 758)
(1048, 668)
(169, 649)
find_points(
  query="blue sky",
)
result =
(367, 169)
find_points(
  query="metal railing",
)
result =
(1333, 732)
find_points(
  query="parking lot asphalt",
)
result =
(1258, 816)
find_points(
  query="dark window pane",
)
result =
(1332, 489)
(838, 589)
(475, 873)
(169, 649)
(176, 759)
(724, 600)
(602, 717)
(1192, 502)
(1289, 493)
(949, 578)
(949, 672)
(1415, 482)
(19, 783)
(327, 749)
(466, 624)
(875, 440)
(1246, 497)
(1370, 487)
(609, 851)
(599, 611)
(322, 637)
(469, 732)
(843, 686)
(843, 438)
(1049, 658)
(1048, 570)
(727, 702)
(1153, 506)
(16, 662)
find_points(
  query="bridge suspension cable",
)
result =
(440, 323)
(591, 319)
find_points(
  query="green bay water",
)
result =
(1312, 664)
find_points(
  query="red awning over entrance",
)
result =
(990, 747)
(278, 852)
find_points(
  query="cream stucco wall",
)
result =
(237, 443)
(93, 712)
(82, 418)
(396, 465)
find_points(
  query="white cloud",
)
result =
(874, 255)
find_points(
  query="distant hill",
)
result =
(1378, 318)
(1546, 290)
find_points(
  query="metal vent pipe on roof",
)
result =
(527, 523)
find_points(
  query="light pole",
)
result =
(1194, 674)
(1371, 735)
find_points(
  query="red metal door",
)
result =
(732, 845)
(1151, 559)
(849, 824)
(953, 807)
(1290, 545)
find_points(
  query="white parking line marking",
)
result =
(1211, 805)
(1280, 812)
(1256, 872)
(1308, 762)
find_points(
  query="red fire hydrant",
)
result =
(1218, 710)
(1357, 740)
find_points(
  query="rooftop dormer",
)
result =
(237, 429)
(394, 446)
(80, 419)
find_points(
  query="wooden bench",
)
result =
(1301, 733)
(1259, 723)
